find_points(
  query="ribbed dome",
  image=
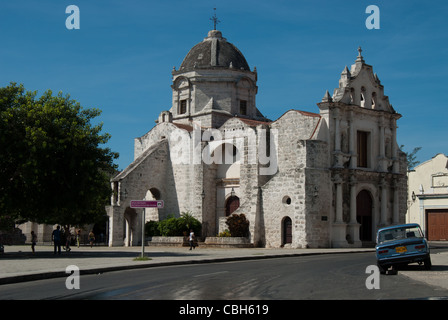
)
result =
(214, 52)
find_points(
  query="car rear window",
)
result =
(399, 234)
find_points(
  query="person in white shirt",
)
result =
(192, 239)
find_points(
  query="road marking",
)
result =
(209, 274)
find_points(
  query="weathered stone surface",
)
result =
(297, 179)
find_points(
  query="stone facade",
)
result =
(327, 179)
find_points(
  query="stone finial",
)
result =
(359, 58)
(377, 79)
(327, 97)
(345, 77)
(346, 72)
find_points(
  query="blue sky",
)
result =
(120, 60)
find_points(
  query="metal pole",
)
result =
(143, 232)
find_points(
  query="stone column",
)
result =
(339, 227)
(337, 140)
(337, 133)
(396, 168)
(383, 213)
(115, 225)
(382, 164)
(396, 212)
(352, 143)
(354, 225)
(353, 200)
(339, 204)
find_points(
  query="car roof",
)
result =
(408, 225)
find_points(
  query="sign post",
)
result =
(146, 204)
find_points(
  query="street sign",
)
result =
(147, 204)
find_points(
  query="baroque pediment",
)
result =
(359, 86)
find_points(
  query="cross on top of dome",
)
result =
(215, 20)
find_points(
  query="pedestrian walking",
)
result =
(56, 238)
(68, 239)
(78, 237)
(33, 240)
(91, 238)
(191, 239)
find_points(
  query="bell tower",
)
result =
(214, 83)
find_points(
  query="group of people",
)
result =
(59, 236)
(62, 238)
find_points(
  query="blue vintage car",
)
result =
(401, 245)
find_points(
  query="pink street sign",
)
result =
(147, 204)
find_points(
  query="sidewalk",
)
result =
(18, 264)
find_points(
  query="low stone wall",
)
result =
(167, 241)
(234, 242)
(224, 242)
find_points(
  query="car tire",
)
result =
(382, 269)
(428, 263)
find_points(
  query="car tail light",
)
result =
(382, 251)
(422, 246)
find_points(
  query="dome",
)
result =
(213, 52)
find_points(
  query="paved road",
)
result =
(341, 276)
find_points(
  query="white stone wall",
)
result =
(429, 182)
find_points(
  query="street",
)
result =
(338, 276)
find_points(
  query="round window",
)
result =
(286, 200)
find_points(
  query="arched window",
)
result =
(232, 204)
(374, 100)
(363, 97)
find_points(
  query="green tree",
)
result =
(172, 226)
(189, 222)
(52, 168)
(411, 157)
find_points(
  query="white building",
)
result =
(326, 179)
(428, 197)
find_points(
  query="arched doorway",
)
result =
(152, 214)
(130, 220)
(155, 193)
(232, 204)
(287, 230)
(364, 215)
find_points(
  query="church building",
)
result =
(306, 180)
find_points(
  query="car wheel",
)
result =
(382, 269)
(428, 264)
(393, 270)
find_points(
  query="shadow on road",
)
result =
(91, 254)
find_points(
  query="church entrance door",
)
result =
(287, 230)
(364, 215)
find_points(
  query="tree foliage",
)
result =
(172, 226)
(52, 168)
(238, 225)
(411, 157)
